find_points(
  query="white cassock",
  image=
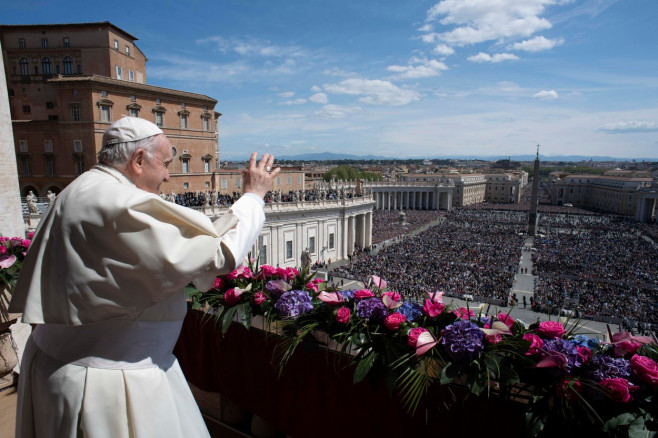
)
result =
(104, 281)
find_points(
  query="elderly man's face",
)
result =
(155, 167)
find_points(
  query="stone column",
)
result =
(11, 215)
(345, 239)
(369, 229)
(362, 237)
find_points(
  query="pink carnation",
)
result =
(550, 329)
(393, 321)
(535, 344)
(433, 309)
(363, 293)
(618, 389)
(259, 298)
(412, 339)
(343, 315)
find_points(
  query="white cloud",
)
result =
(316, 89)
(546, 95)
(536, 44)
(287, 94)
(319, 98)
(253, 47)
(477, 21)
(294, 102)
(374, 92)
(425, 68)
(497, 57)
(443, 49)
(632, 126)
(332, 111)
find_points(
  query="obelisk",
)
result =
(533, 217)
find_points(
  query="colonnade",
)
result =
(413, 197)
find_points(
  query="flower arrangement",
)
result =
(575, 382)
(12, 255)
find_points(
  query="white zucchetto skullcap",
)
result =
(129, 129)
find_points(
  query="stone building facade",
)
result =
(67, 83)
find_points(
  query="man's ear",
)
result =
(138, 161)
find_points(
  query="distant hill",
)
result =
(327, 156)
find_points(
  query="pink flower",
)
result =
(25, 243)
(569, 389)
(463, 313)
(392, 295)
(312, 286)
(3, 249)
(343, 315)
(363, 293)
(318, 280)
(393, 321)
(391, 300)
(551, 329)
(30, 235)
(7, 261)
(535, 344)
(618, 389)
(233, 275)
(435, 297)
(504, 317)
(646, 370)
(291, 273)
(331, 297)
(433, 309)
(232, 296)
(627, 344)
(259, 298)
(219, 283)
(266, 271)
(413, 336)
(281, 272)
(494, 339)
(246, 273)
(584, 353)
(378, 282)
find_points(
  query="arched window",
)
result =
(68, 65)
(45, 66)
(25, 67)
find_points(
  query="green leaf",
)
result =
(227, 318)
(447, 374)
(244, 314)
(364, 367)
(623, 419)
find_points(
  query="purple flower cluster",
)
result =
(371, 309)
(565, 347)
(463, 340)
(608, 367)
(348, 294)
(276, 288)
(412, 311)
(294, 303)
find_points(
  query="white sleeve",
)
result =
(251, 218)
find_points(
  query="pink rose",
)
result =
(233, 275)
(266, 271)
(246, 273)
(318, 280)
(281, 272)
(535, 344)
(363, 293)
(219, 283)
(646, 370)
(331, 297)
(412, 338)
(433, 309)
(3, 249)
(551, 329)
(584, 353)
(569, 389)
(291, 273)
(494, 339)
(259, 298)
(232, 296)
(627, 344)
(343, 315)
(618, 389)
(25, 243)
(504, 317)
(463, 313)
(393, 321)
(30, 235)
(312, 286)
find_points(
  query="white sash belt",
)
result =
(116, 344)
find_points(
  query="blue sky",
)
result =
(401, 78)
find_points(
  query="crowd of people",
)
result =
(386, 224)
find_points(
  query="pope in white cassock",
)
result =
(104, 282)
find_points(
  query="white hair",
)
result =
(118, 154)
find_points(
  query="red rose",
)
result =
(343, 315)
(433, 309)
(618, 389)
(535, 344)
(413, 336)
(232, 296)
(259, 298)
(551, 329)
(363, 293)
(393, 321)
(646, 370)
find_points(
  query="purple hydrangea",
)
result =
(371, 309)
(276, 288)
(463, 340)
(608, 367)
(585, 341)
(294, 303)
(483, 319)
(412, 311)
(567, 348)
(348, 294)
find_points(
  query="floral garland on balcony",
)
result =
(12, 255)
(575, 382)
